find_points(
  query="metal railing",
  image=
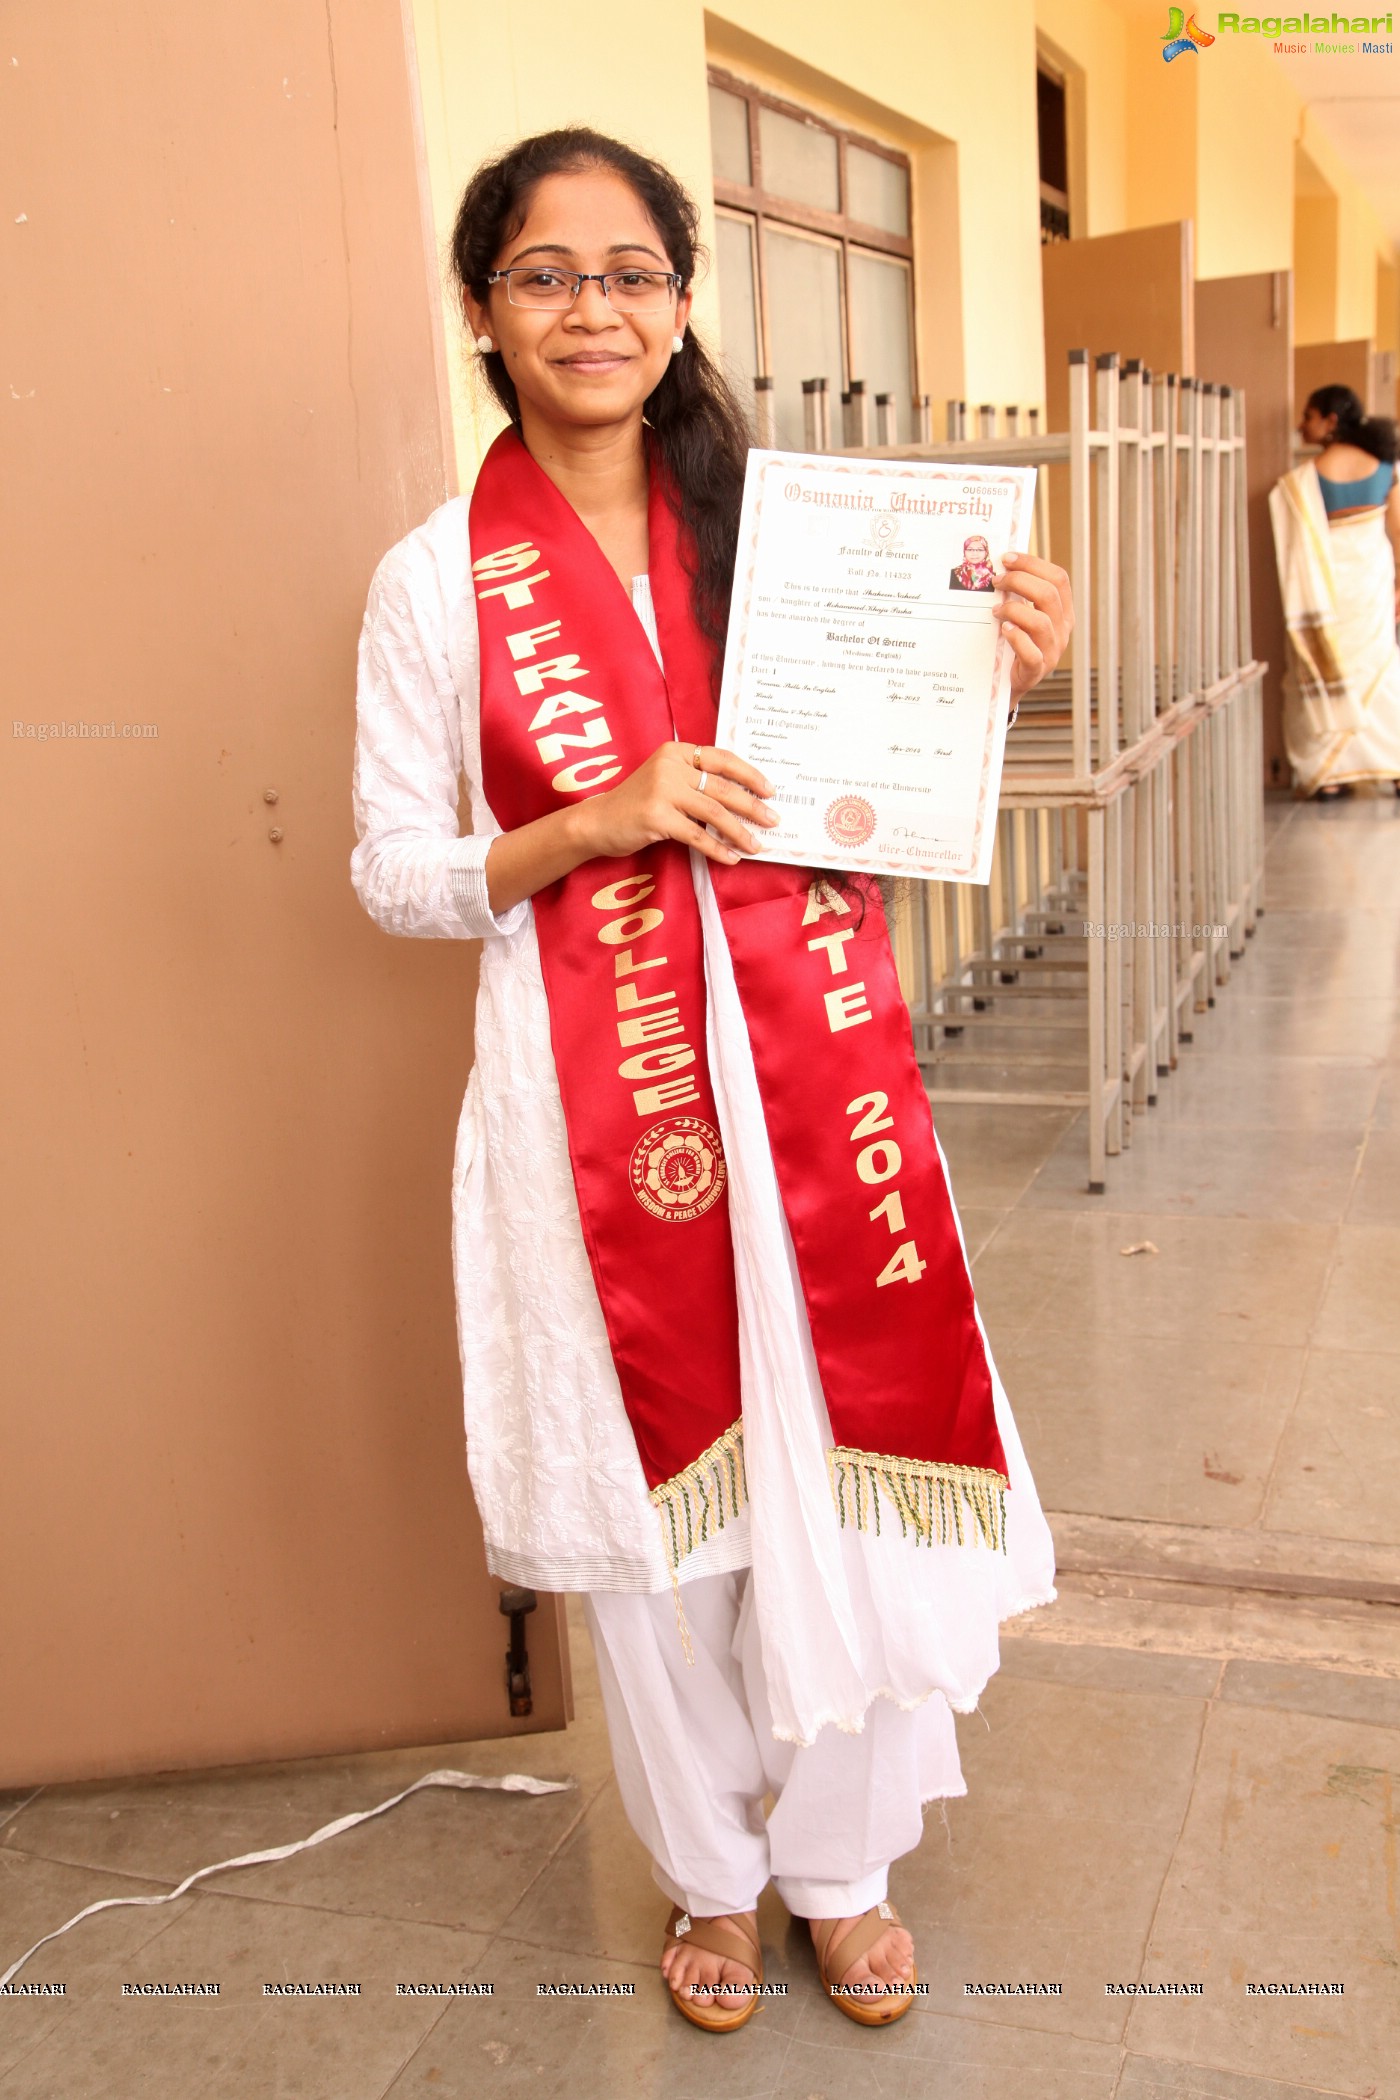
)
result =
(1131, 796)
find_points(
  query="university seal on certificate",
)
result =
(865, 672)
(850, 821)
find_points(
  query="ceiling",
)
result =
(1356, 102)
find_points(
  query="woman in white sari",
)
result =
(1336, 523)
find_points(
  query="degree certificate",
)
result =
(865, 671)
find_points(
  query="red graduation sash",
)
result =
(573, 699)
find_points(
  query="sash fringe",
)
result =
(696, 1503)
(930, 1500)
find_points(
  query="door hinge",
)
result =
(515, 1605)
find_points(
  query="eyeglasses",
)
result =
(630, 291)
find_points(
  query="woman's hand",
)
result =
(663, 800)
(1037, 618)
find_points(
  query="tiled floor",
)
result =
(1185, 1776)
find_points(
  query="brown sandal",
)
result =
(733, 1939)
(870, 2005)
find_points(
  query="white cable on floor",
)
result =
(511, 1783)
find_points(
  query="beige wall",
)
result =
(1212, 138)
(1315, 244)
(489, 75)
(960, 103)
(1090, 36)
(234, 1510)
(1360, 243)
(1209, 138)
(1246, 123)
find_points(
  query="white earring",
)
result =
(484, 343)
(677, 345)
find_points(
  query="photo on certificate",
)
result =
(865, 671)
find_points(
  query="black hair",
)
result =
(697, 425)
(1373, 434)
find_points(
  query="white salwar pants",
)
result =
(694, 1753)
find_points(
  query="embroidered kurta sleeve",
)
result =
(412, 869)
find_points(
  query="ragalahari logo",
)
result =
(1182, 35)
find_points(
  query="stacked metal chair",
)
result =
(1129, 864)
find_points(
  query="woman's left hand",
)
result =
(1037, 618)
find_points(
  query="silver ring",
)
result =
(700, 783)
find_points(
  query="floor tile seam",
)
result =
(1304, 2092)
(1186, 1119)
(325, 1910)
(40, 2039)
(1371, 1133)
(1118, 2074)
(19, 1807)
(899, 2044)
(423, 2039)
(1304, 1353)
(999, 1227)
(1331, 1271)
(552, 1855)
(1361, 1152)
(1207, 1707)
(156, 1883)
(103, 1965)
(781, 2068)
(1114, 1691)
(501, 1937)
(1217, 1341)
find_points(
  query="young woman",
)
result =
(1336, 525)
(723, 1368)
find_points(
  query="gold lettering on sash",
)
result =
(527, 641)
(880, 1161)
(588, 773)
(594, 733)
(511, 562)
(507, 561)
(645, 1028)
(612, 898)
(822, 898)
(846, 1007)
(629, 997)
(650, 1064)
(625, 965)
(520, 591)
(532, 678)
(672, 1093)
(554, 705)
(631, 927)
(835, 946)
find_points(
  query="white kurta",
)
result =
(844, 1616)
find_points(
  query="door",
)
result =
(1130, 292)
(1244, 338)
(234, 1508)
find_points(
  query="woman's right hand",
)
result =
(663, 800)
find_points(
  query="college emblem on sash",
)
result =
(678, 1169)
